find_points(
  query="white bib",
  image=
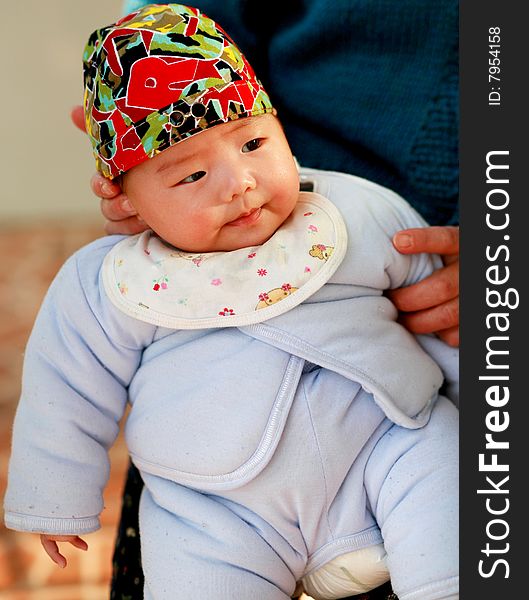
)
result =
(154, 282)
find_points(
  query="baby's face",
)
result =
(226, 188)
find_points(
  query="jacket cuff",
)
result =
(57, 526)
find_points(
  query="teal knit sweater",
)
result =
(368, 87)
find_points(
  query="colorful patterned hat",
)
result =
(158, 76)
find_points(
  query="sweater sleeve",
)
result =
(79, 361)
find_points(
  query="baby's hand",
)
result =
(431, 305)
(49, 543)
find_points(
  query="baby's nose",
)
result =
(240, 184)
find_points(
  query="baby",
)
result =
(290, 434)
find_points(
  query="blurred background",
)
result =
(47, 211)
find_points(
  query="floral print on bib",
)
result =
(157, 283)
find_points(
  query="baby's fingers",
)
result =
(52, 550)
(49, 543)
(78, 543)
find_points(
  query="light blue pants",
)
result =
(340, 480)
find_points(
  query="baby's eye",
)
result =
(252, 145)
(193, 177)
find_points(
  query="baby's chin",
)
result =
(227, 247)
(247, 241)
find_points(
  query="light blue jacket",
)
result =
(209, 405)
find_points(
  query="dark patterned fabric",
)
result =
(384, 592)
(127, 573)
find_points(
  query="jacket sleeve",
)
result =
(404, 270)
(80, 358)
(373, 215)
(391, 215)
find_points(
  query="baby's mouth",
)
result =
(248, 218)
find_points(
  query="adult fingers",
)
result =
(438, 240)
(77, 117)
(129, 226)
(432, 320)
(103, 187)
(117, 209)
(442, 285)
(450, 336)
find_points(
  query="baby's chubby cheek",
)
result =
(285, 178)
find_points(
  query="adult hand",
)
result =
(431, 305)
(116, 208)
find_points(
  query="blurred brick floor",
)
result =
(30, 258)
